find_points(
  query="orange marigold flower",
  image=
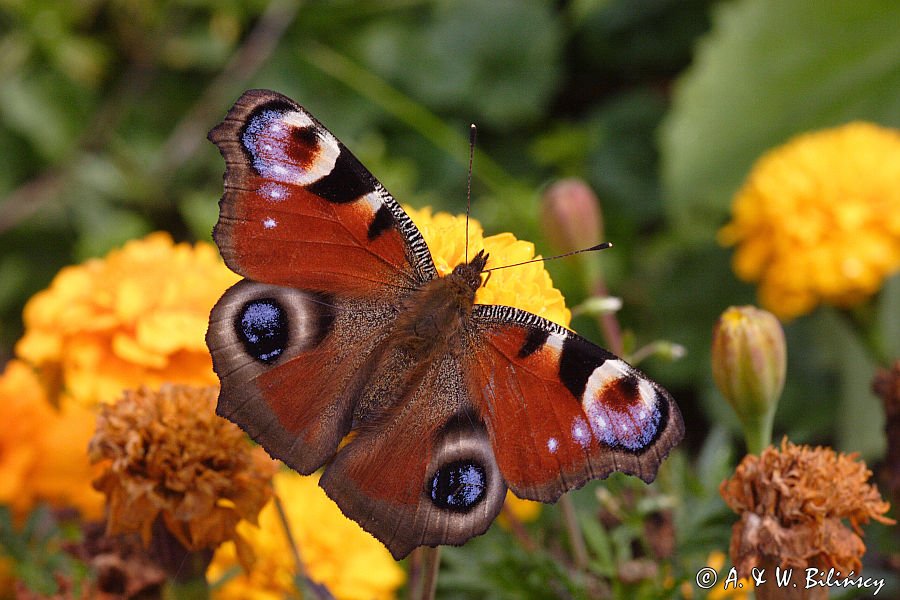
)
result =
(335, 551)
(792, 502)
(136, 317)
(528, 287)
(43, 450)
(818, 219)
(167, 455)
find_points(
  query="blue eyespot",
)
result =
(262, 327)
(458, 486)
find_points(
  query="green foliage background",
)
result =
(661, 105)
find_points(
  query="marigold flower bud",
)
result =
(749, 357)
(571, 215)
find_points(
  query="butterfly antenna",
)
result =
(602, 246)
(472, 135)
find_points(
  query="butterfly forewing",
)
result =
(300, 210)
(560, 410)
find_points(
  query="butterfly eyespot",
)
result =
(305, 145)
(458, 486)
(262, 327)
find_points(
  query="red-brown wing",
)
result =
(560, 410)
(423, 473)
(300, 210)
(292, 364)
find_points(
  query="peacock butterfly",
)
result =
(342, 324)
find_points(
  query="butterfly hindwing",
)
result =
(300, 210)
(422, 473)
(560, 410)
(291, 364)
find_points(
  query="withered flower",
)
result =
(170, 461)
(792, 502)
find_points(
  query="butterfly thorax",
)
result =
(434, 316)
(431, 324)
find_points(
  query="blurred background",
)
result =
(660, 106)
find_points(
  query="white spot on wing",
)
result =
(269, 223)
(555, 341)
(273, 192)
(552, 445)
(373, 199)
(580, 432)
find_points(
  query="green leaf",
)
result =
(499, 61)
(104, 226)
(597, 540)
(768, 70)
(859, 422)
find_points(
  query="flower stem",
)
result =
(758, 433)
(299, 569)
(185, 569)
(576, 539)
(608, 322)
(518, 529)
(306, 586)
(431, 566)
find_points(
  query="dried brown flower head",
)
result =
(792, 502)
(170, 457)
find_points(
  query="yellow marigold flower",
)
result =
(523, 510)
(43, 450)
(167, 455)
(136, 317)
(335, 551)
(792, 502)
(818, 219)
(528, 287)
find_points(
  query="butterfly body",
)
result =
(342, 325)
